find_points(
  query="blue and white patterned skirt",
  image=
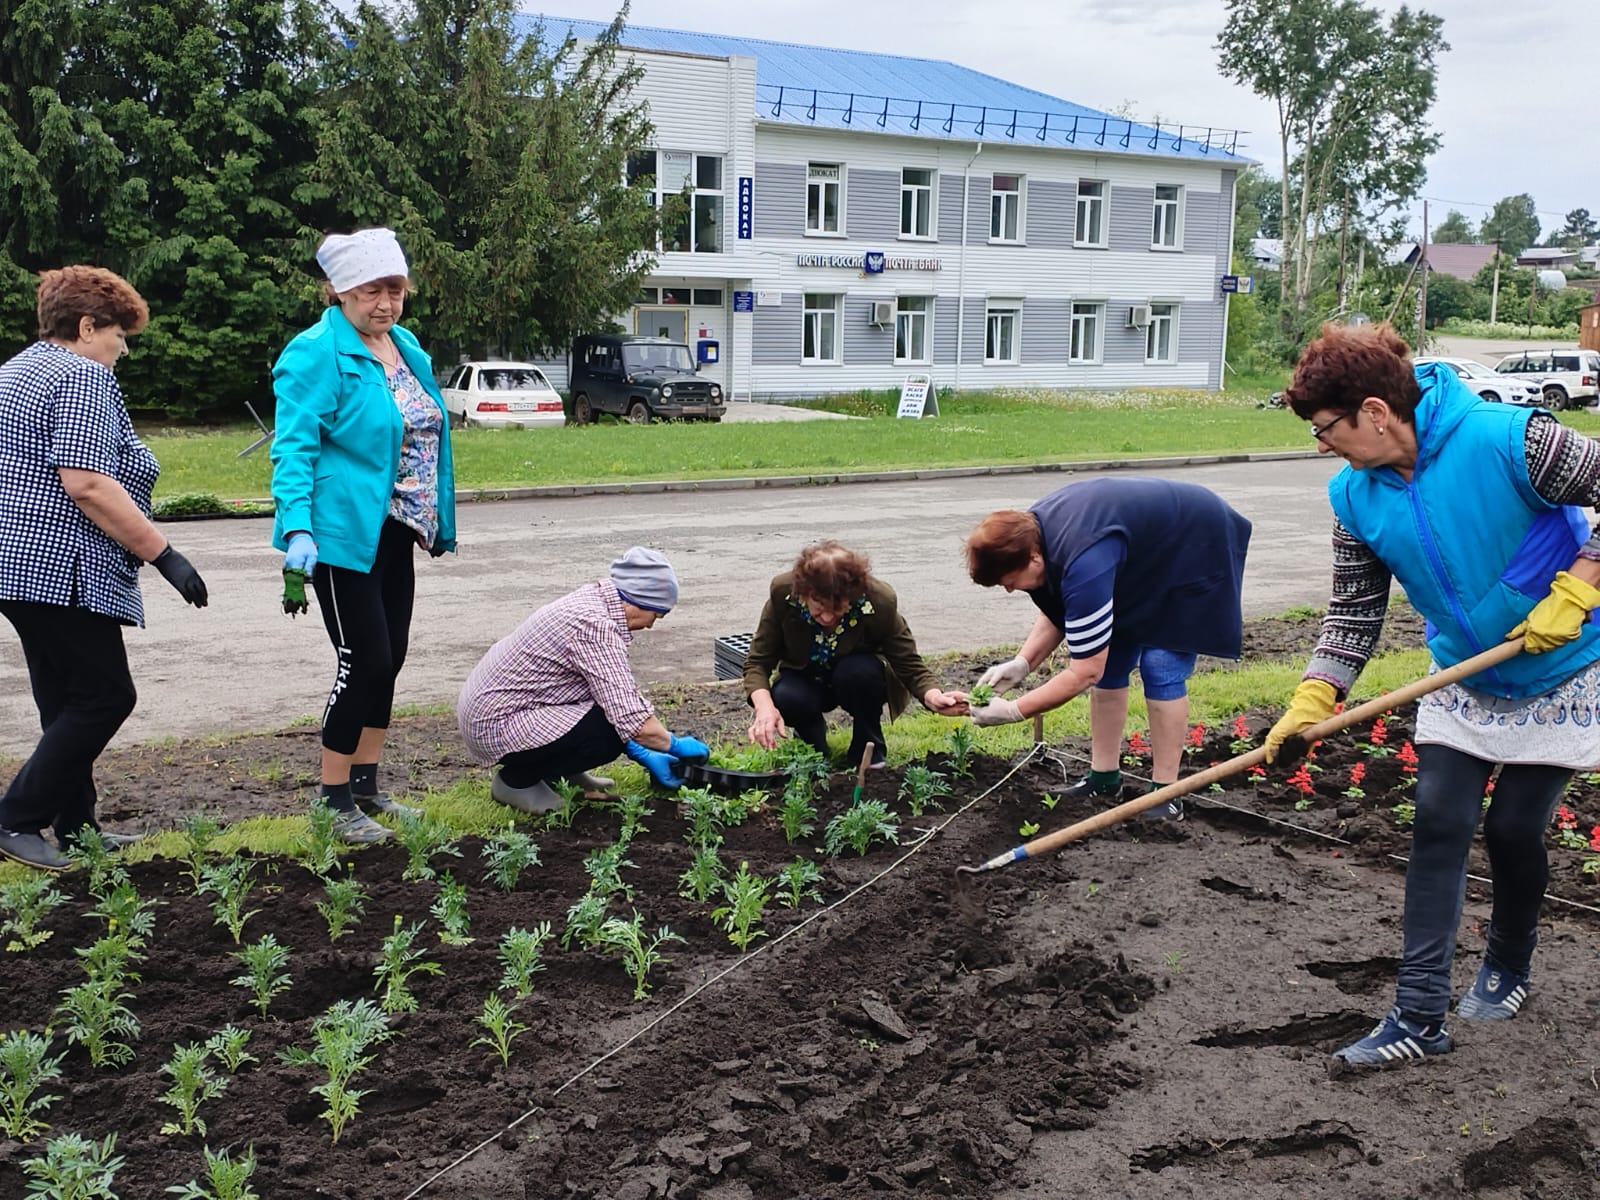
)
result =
(1560, 728)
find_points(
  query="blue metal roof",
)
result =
(915, 97)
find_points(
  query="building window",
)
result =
(686, 188)
(911, 329)
(1161, 335)
(916, 202)
(1087, 321)
(1166, 232)
(1000, 340)
(820, 341)
(1091, 229)
(824, 198)
(649, 295)
(708, 297)
(678, 295)
(1005, 209)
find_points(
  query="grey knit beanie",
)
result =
(646, 579)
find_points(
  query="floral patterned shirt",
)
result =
(416, 487)
(825, 643)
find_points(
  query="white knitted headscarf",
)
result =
(351, 259)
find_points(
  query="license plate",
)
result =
(525, 406)
(694, 410)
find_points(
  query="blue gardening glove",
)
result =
(302, 553)
(658, 764)
(689, 749)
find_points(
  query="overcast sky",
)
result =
(1511, 88)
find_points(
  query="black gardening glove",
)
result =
(180, 573)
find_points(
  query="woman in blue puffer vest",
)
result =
(1473, 507)
(361, 477)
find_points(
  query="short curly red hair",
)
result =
(826, 571)
(69, 294)
(1348, 363)
(1004, 541)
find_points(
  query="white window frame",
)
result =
(905, 322)
(922, 198)
(659, 193)
(998, 205)
(818, 182)
(1090, 209)
(1161, 335)
(1166, 218)
(1089, 315)
(815, 306)
(995, 314)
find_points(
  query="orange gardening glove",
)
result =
(1558, 618)
(1313, 701)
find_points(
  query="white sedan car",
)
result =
(1488, 383)
(501, 393)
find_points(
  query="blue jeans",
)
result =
(1163, 674)
(1450, 787)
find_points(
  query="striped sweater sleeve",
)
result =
(1564, 466)
(1354, 620)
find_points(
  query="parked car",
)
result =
(1568, 378)
(1489, 384)
(501, 393)
(641, 378)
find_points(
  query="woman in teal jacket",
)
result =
(361, 477)
(1476, 509)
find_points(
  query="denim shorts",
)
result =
(1164, 674)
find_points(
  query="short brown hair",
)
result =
(1348, 363)
(1003, 542)
(69, 294)
(828, 572)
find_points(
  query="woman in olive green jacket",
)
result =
(831, 636)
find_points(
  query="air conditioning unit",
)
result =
(1138, 316)
(882, 312)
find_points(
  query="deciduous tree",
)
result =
(1454, 228)
(1514, 223)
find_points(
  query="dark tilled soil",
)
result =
(1147, 1013)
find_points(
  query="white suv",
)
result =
(1568, 378)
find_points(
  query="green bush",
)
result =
(1509, 329)
(188, 504)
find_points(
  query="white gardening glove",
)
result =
(1002, 677)
(998, 711)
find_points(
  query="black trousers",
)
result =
(855, 683)
(592, 741)
(79, 671)
(368, 616)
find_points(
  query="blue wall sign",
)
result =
(747, 189)
(872, 262)
(744, 302)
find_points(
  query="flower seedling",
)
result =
(318, 849)
(450, 910)
(1138, 750)
(1404, 814)
(91, 851)
(500, 1027)
(342, 904)
(509, 853)
(799, 879)
(1049, 801)
(633, 810)
(521, 957)
(1028, 828)
(1195, 740)
(343, 1037)
(109, 958)
(227, 1178)
(584, 919)
(26, 902)
(746, 897)
(959, 747)
(424, 837)
(704, 814)
(571, 805)
(981, 695)
(1358, 772)
(398, 961)
(1175, 961)
(797, 815)
(193, 1083)
(1257, 773)
(126, 913)
(200, 830)
(800, 759)
(229, 881)
(639, 955)
(922, 787)
(1241, 735)
(1376, 745)
(74, 1168)
(1567, 835)
(265, 975)
(704, 875)
(96, 1018)
(228, 1044)
(863, 823)
(605, 870)
(25, 1067)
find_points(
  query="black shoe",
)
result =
(115, 841)
(381, 804)
(33, 850)
(1172, 810)
(1085, 790)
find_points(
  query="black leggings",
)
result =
(368, 615)
(1450, 788)
(855, 683)
(592, 741)
(81, 686)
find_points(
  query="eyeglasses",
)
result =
(1318, 430)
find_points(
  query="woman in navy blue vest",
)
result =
(1472, 507)
(1127, 572)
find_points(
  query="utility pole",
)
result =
(1422, 286)
(1494, 292)
(1344, 225)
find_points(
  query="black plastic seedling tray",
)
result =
(728, 781)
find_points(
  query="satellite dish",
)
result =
(1552, 280)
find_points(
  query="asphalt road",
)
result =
(241, 665)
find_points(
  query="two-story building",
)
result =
(859, 217)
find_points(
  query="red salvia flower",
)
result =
(1260, 772)
(1594, 838)
(1380, 732)
(1197, 736)
(1240, 729)
(1301, 780)
(1565, 818)
(1357, 774)
(1407, 756)
(1137, 744)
